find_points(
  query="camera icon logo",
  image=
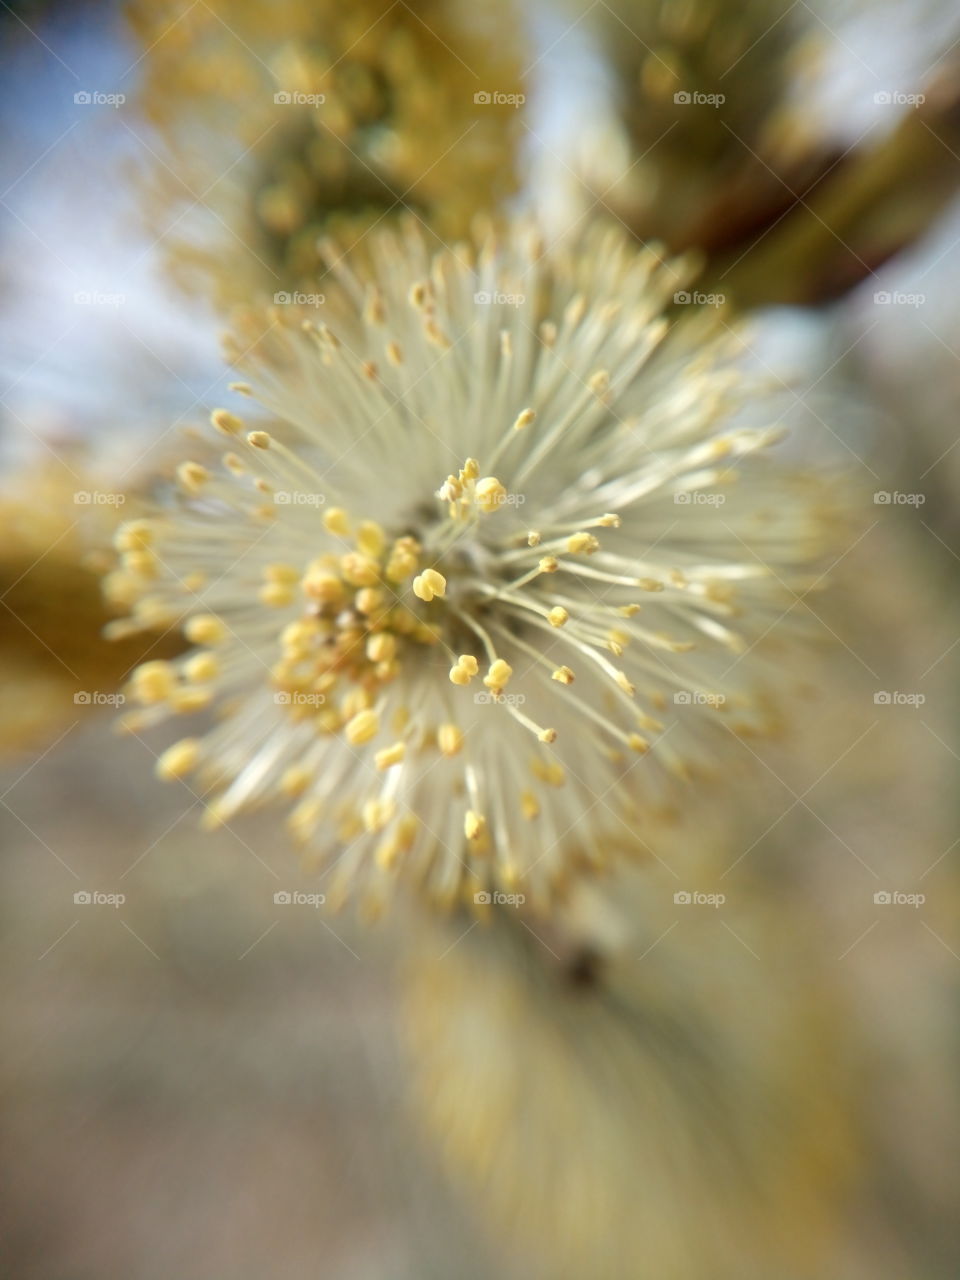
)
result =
(682, 98)
(482, 99)
(482, 899)
(882, 898)
(283, 98)
(882, 699)
(82, 99)
(83, 898)
(482, 299)
(883, 98)
(82, 498)
(882, 298)
(282, 299)
(682, 298)
(282, 898)
(282, 497)
(682, 498)
(82, 698)
(882, 498)
(682, 898)
(682, 698)
(282, 698)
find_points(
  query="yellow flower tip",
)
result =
(534, 539)
(371, 539)
(650, 584)
(529, 806)
(259, 439)
(429, 584)
(135, 535)
(227, 422)
(582, 544)
(323, 586)
(201, 668)
(490, 494)
(294, 781)
(599, 382)
(623, 682)
(450, 739)
(381, 646)
(609, 521)
(547, 735)
(241, 388)
(474, 825)
(337, 522)
(524, 419)
(563, 675)
(204, 628)
(548, 564)
(469, 663)
(638, 744)
(178, 760)
(389, 756)
(192, 476)
(362, 727)
(460, 675)
(499, 675)
(558, 616)
(153, 682)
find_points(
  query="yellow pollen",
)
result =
(369, 599)
(609, 522)
(490, 494)
(547, 735)
(135, 536)
(295, 780)
(201, 668)
(524, 419)
(558, 616)
(153, 682)
(469, 663)
(548, 564)
(259, 439)
(178, 759)
(359, 570)
(638, 744)
(192, 476)
(533, 538)
(336, 521)
(276, 595)
(323, 586)
(563, 675)
(474, 825)
(381, 647)
(449, 739)
(529, 806)
(204, 628)
(498, 675)
(226, 422)
(582, 544)
(459, 674)
(364, 726)
(371, 539)
(428, 584)
(390, 756)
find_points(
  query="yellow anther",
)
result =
(295, 780)
(599, 382)
(336, 521)
(469, 663)
(364, 726)
(381, 647)
(359, 570)
(153, 682)
(498, 675)
(185, 701)
(371, 539)
(638, 744)
(582, 544)
(323, 586)
(201, 668)
(563, 675)
(428, 584)
(558, 616)
(178, 760)
(524, 419)
(490, 494)
(629, 610)
(395, 354)
(650, 584)
(390, 756)
(459, 674)
(204, 628)
(548, 564)
(276, 595)
(534, 539)
(226, 422)
(137, 535)
(474, 825)
(369, 599)
(547, 735)
(192, 476)
(609, 521)
(529, 806)
(259, 439)
(625, 684)
(449, 739)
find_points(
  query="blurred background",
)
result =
(202, 1079)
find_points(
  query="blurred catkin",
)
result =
(656, 1103)
(284, 122)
